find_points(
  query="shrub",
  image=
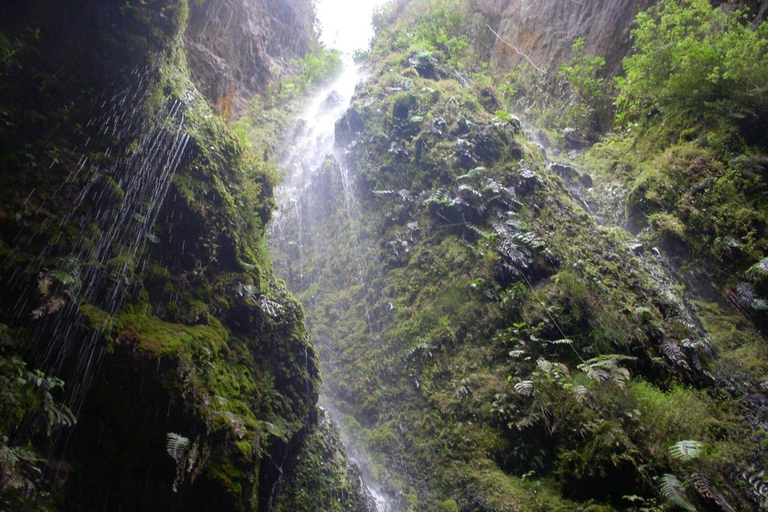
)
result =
(582, 73)
(692, 58)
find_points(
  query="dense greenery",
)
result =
(695, 59)
(503, 328)
(206, 378)
(491, 331)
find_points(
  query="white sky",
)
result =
(346, 24)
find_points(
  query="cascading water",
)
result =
(319, 213)
(118, 204)
(314, 177)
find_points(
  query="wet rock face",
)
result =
(545, 30)
(235, 47)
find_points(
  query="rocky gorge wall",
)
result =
(236, 47)
(151, 360)
(496, 341)
(544, 31)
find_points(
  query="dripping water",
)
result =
(99, 268)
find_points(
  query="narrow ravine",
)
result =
(314, 172)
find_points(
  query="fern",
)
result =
(750, 298)
(759, 269)
(177, 446)
(674, 354)
(672, 490)
(485, 235)
(417, 350)
(524, 387)
(67, 272)
(529, 240)
(606, 367)
(705, 489)
(755, 477)
(580, 393)
(685, 450)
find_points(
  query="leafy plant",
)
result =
(178, 447)
(673, 491)
(582, 73)
(606, 368)
(760, 268)
(685, 450)
(693, 57)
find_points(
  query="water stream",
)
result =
(319, 189)
(318, 197)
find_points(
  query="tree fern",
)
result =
(685, 450)
(673, 492)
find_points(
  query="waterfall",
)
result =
(319, 215)
(117, 204)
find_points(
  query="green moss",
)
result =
(93, 317)
(448, 505)
(228, 477)
(155, 337)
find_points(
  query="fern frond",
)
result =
(672, 490)
(176, 446)
(524, 387)
(686, 450)
(755, 477)
(485, 235)
(750, 298)
(529, 240)
(421, 348)
(580, 393)
(606, 367)
(760, 268)
(564, 341)
(704, 488)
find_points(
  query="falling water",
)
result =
(98, 270)
(315, 176)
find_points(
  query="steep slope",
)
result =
(544, 31)
(236, 47)
(492, 343)
(137, 297)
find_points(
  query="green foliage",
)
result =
(435, 26)
(313, 69)
(694, 58)
(760, 268)
(685, 450)
(449, 505)
(26, 395)
(674, 492)
(582, 73)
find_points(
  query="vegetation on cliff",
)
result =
(521, 320)
(132, 239)
(495, 336)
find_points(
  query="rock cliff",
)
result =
(137, 295)
(235, 47)
(544, 31)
